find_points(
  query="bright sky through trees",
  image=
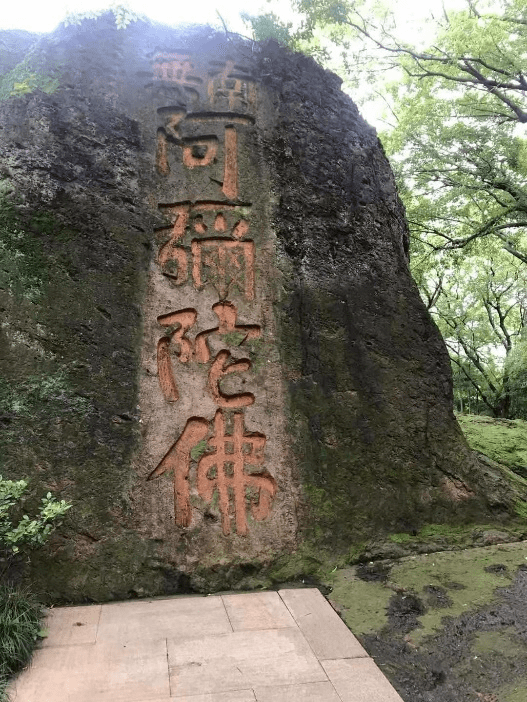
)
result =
(413, 18)
(40, 16)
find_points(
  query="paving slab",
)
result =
(327, 634)
(257, 610)
(360, 680)
(260, 647)
(231, 696)
(96, 673)
(240, 660)
(309, 692)
(178, 617)
(68, 626)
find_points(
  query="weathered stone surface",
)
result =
(369, 377)
(202, 245)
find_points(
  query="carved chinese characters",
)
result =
(178, 324)
(223, 261)
(229, 86)
(223, 471)
(206, 257)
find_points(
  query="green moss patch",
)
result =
(198, 450)
(45, 394)
(448, 584)
(234, 338)
(469, 578)
(514, 692)
(446, 537)
(502, 643)
(362, 604)
(22, 261)
(502, 440)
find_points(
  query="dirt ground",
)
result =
(443, 627)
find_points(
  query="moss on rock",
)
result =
(502, 440)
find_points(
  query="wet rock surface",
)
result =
(428, 649)
(451, 667)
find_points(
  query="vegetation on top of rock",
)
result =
(122, 13)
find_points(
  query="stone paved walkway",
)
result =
(287, 646)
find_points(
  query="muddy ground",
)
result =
(443, 627)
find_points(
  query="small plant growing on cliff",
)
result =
(28, 532)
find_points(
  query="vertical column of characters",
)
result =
(208, 244)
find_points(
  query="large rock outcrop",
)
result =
(211, 342)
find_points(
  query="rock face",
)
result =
(211, 343)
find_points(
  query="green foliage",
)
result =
(25, 78)
(460, 160)
(480, 304)
(26, 533)
(122, 13)
(455, 107)
(298, 38)
(20, 626)
(518, 377)
(20, 613)
(269, 26)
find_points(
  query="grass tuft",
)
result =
(20, 625)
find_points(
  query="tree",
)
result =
(457, 141)
(482, 313)
(458, 110)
